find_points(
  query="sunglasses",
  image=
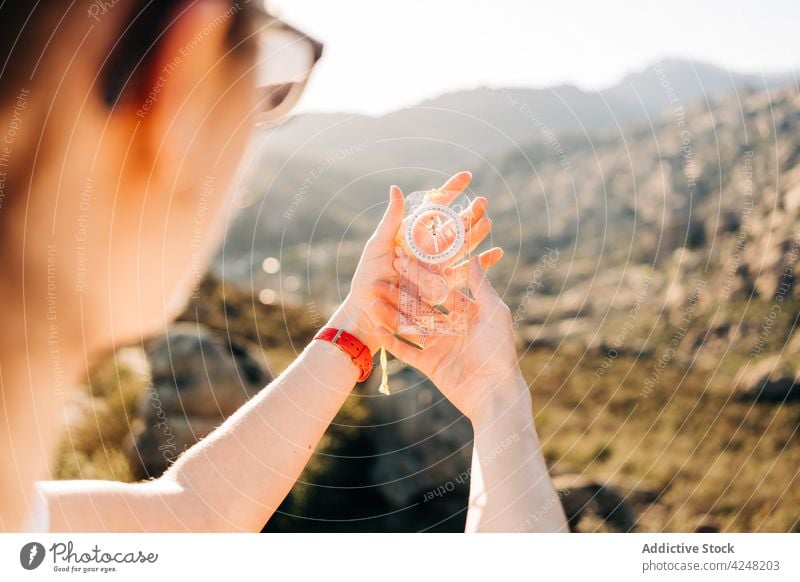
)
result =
(284, 57)
(284, 62)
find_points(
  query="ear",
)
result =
(184, 81)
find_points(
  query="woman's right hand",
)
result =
(477, 372)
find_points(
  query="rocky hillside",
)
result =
(473, 125)
(698, 210)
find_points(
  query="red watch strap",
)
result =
(352, 346)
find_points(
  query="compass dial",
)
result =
(435, 233)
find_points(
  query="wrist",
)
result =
(356, 322)
(507, 401)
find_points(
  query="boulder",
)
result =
(584, 498)
(198, 379)
(706, 524)
(422, 443)
(201, 372)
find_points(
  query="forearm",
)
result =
(237, 476)
(510, 487)
(241, 473)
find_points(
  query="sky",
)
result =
(385, 54)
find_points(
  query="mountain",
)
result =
(650, 90)
(469, 126)
(572, 166)
(703, 204)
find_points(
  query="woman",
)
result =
(128, 120)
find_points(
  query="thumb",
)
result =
(392, 218)
(479, 285)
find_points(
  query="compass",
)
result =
(435, 233)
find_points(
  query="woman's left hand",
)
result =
(375, 279)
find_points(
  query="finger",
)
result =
(458, 183)
(478, 232)
(488, 259)
(383, 239)
(473, 238)
(451, 189)
(491, 257)
(479, 285)
(475, 212)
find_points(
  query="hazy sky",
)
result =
(383, 54)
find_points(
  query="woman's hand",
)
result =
(375, 280)
(477, 372)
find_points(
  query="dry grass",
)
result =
(704, 452)
(706, 455)
(100, 421)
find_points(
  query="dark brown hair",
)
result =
(25, 30)
(138, 42)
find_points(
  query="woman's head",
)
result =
(129, 119)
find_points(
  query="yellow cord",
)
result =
(384, 388)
